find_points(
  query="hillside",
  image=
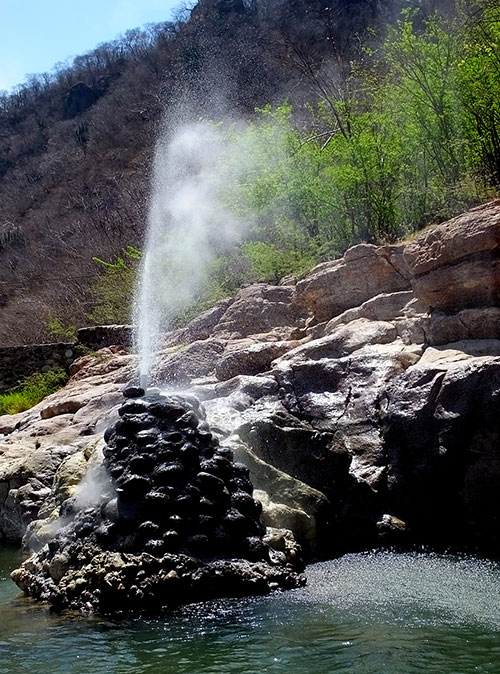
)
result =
(76, 146)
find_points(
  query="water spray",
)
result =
(143, 381)
(186, 225)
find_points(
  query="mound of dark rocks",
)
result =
(175, 524)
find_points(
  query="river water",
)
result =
(374, 613)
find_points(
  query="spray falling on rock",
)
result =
(186, 225)
(177, 524)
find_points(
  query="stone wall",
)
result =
(17, 362)
(99, 336)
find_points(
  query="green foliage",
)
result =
(114, 289)
(61, 330)
(32, 390)
(408, 135)
(478, 82)
(269, 263)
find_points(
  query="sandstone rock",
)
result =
(344, 340)
(383, 307)
(99, 412)
(67, 405)
(456, 265)
(279, 516)
(200, 327)
(26, 484)
(258, 309)
(363, 272)
(447, 354)
(112, 363)
(71, 399)
(9, 422)
(36, 447)
(72, 479)
(179, 368)
(468, 324)
(250, 358)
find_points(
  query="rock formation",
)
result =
(173, 521)
(363, 399)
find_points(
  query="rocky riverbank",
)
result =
(168, 519)
(364, 399)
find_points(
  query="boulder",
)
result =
(441, 430)
(364, 271)
(25, 484)
(456, 265)
(383, 307)
(200, 327)
(468, 324)
(178, 367)
(246, 357)
(261, 308)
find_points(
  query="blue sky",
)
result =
(37, 34)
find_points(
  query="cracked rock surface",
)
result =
(364, 399)
(173, 521)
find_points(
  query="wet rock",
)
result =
(250, 358)
(134, 392)
(193, 361)
(259, 309)
(173, 532)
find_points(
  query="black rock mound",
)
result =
(176, 524)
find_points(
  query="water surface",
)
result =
(377, 613)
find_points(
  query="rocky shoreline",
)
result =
(363, 398)
(170, 521)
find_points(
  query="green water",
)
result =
(377, 613)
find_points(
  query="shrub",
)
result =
(114, 288)
(57, 328)
(31, 390)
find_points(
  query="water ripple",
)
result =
(375, 613)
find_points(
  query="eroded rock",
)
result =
(456, 265)
(363, 272)
(176, 522)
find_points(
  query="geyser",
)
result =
(178, 523)
(186, 224)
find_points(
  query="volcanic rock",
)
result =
(187, 526)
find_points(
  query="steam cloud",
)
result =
(186, 225)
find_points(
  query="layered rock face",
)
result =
(364, 398)
(175, 523)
